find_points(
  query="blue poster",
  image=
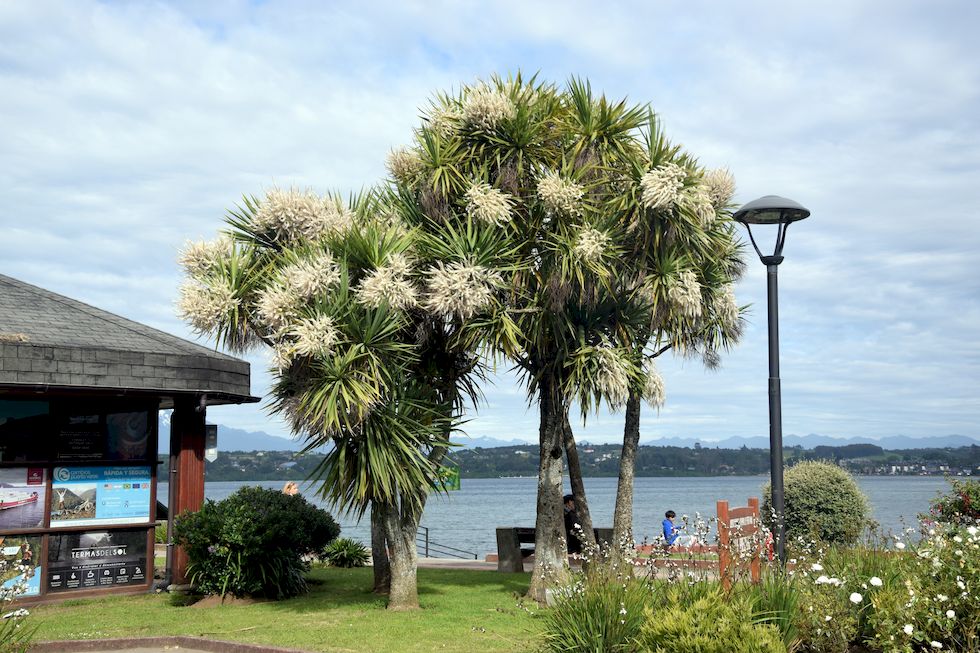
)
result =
(88, 496)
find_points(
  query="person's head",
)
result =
(569, 501)
(670, 514)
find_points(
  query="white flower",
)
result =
(816, 567)
(876, 581)
(199, 259)
(487, 204)
(698, 202)
(654, 390)
(972, 530)
(292, 215)
(907, 629)
(206, 306)
(559, 194)
(960, 584)
(445, 121)
(309, 277)
(935, 644)
(856, 598)
(460, 290)
(405, 165)
(389, 284)
(591, 244)
(720, 185)
(277, 306)
(950, 614)
(660, 188)
(828, 618)
(822, 580)
(685, 294)
(485, 107)
(315, 337)
(899, 545)
(725, 306)
(957, 539)
(942, 598)
(622, 610)
(613, 376)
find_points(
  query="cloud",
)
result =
(130, 128)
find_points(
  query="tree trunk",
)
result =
(623, 513)
(379, 550)
(550, 550)
(401, 526)
(578, 486)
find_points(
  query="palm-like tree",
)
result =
(363, 361)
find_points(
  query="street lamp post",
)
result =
(776, 210)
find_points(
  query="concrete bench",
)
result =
(516, 543)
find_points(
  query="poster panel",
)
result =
(80, 437)
(93, 496)
(92, 560)
(24, 429)
(23, 496)
(128, 435)
(20, 564)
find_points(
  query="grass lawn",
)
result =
(461, 611)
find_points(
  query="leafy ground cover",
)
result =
(461, 611)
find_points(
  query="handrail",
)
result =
(425, 546)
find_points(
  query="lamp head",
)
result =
(771, 209)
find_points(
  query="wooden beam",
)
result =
(187, 441)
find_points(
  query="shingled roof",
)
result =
(53, 341)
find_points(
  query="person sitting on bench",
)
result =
(671, 535)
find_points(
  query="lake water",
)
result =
(466, 519)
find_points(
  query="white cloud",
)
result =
(130, 128)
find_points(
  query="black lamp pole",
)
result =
(772, 209)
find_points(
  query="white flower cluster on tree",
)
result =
(720, 185)
(726, 307)
(560, 195)
(685, 294)
(613, 379)
(404, 165)
(293, 215)
(654, 390)
(277, 306)
(660, 187)
(486, 107)
(460, 290)
(389, 284)
(698, 201)
(309, 277)
(487, 204)
(591, 244)
(199, 259)
(315, 336)
(445, 121)
(206, 304)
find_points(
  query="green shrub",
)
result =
(822, 502)
(597, 614)
(345, 552)
(714, 623)
(961, 505)
(254, 542)
(775, 600)
(160, 533)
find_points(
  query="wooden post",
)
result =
(724, 546)
(755, 569)
(187, 439)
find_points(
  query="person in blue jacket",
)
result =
(672, 536)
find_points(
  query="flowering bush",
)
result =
(14, 637)
(960, 506)
(254, 543)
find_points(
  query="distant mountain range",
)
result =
(232, 439)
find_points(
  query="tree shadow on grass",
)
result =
(351, 588)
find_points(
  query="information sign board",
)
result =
(82, 561)
(92, 496)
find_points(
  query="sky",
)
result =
(128, 128)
